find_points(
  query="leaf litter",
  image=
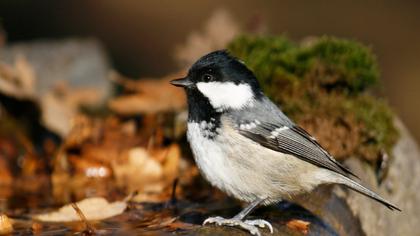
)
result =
(91, 209)
(93, 153)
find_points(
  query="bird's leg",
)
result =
(238, 220)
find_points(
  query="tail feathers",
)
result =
(365, 191)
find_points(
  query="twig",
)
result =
(173, 200)
(89, 229)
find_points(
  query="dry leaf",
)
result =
(92, 208)
(6, 226)
(299, 225)
(140, 171)
(83, 129)
(181, 225)
(37, 228)
(139, 158)
(169, 158)
(61, 105)
(89, 229)
(150, 96)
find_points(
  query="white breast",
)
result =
(211, 159)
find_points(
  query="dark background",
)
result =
(140, 36)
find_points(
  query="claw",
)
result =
(249, 225)
(212, 220)
(260, 223)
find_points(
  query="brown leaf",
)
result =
(139, 171)
(171, 162)
(89, 229)
(299, 225)
(151, 96)
(93, 209)
(180, 225)
(36, 228)
(61, 105)
(6, 226)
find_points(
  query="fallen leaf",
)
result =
(92, 208)
(166, 221)
(180, 225)
(139, 171)
(139, 158)
(89, 229)
(299, 225)
(170, 161)
(6, 226)
(36, 228)
(148, 96)
(61, 105)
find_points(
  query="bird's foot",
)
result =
(250, 225)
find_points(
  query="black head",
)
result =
(218, 83)
(218, 66)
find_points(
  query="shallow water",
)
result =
(181, 217)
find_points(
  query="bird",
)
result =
(247, 147)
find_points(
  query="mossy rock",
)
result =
(323, 84)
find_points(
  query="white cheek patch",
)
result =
(223, 95)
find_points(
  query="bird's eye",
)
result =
(207, 78)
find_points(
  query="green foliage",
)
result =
(325, 75)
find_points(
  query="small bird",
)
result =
(246, 146)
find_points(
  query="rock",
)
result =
(80, 62)
(59, 75)
(351, 213)
(400, 187)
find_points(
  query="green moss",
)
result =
(340, 64)
(326, 77)
(351, 64)
(271, 58)
(377, 117)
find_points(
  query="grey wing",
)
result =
(292, 139)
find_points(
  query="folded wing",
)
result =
(293, 140)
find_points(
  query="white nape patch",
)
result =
(225, 95)
(277, 131)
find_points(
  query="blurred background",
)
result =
(75, 127)
(140, 36)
